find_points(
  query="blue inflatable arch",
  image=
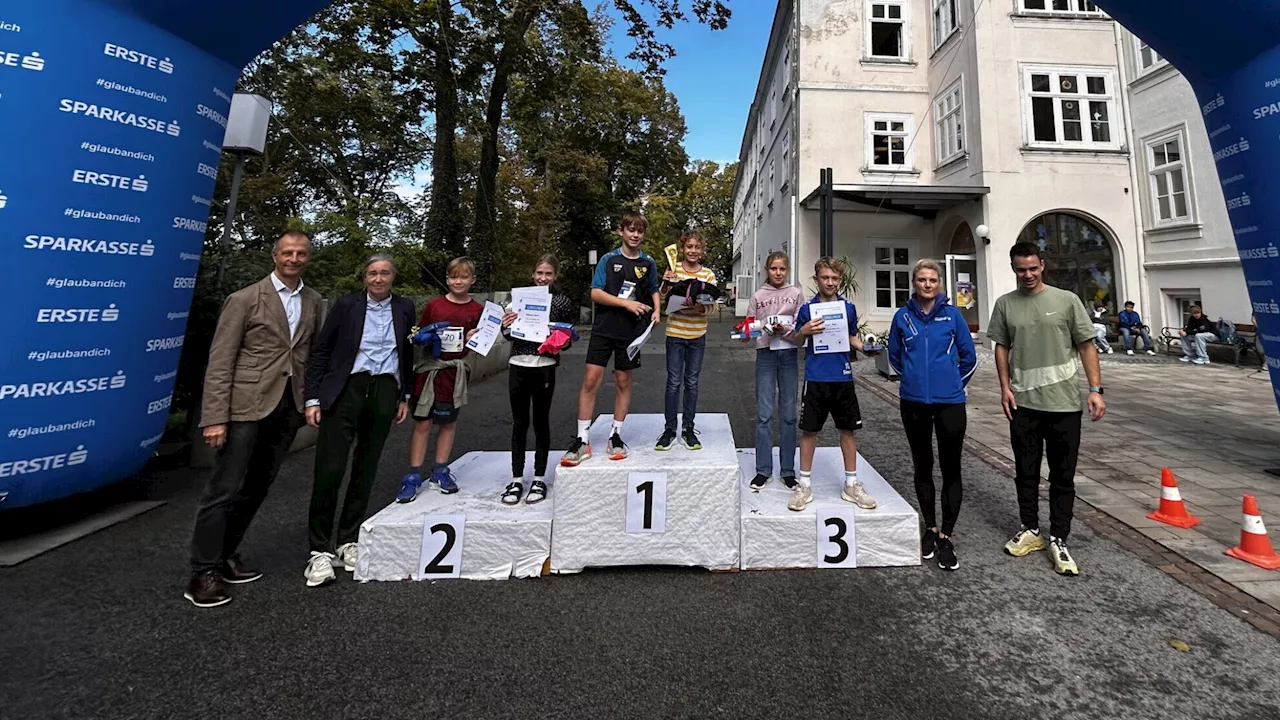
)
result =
(112, 114)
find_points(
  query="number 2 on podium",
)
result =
(441, 555)
(647, 503)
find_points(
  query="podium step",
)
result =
(675, 507)
(774, 537)
(475, 536)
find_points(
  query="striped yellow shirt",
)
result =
(689, 327)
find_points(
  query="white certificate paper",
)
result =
(634, 348)
(834, 337)
(533, 305)
(778, 342)
(489, 329)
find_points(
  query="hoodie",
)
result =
(769, 300)
(932, 353)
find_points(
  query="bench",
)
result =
(1246, 339)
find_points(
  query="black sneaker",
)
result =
(667, 439)
(947, 554)
(928, 542)
(690, 438)
(790, 481)
(758, 482)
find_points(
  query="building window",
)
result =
(1077, 257)
(786, 145)
(887, 30)
(1170, 201)
(1066, 7)
(1072, 108)
(887, 142)
(944, 20)
(1148, 58)
(786, 72)
(892, 268)
(948, 116)
(773, 108)
(1182, 303)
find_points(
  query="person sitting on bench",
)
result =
(1198, 331)
(1131, 323)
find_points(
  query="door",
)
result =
(962, 287)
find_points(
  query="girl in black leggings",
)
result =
(532, 383)
(932, 352)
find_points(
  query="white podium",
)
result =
(497, 541)
(774, 537)
(676, 507)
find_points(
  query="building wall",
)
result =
(1198, 257)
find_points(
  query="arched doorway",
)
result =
(1078, 256)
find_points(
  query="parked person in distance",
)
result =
(358, 383)
(440, 386)
(623, 278)
(1198, 331)
(531, 381)
(686, 346)
(829, 390)
(1130, 324)
(776, 304)
(932, 352)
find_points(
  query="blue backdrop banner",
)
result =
(110, 138)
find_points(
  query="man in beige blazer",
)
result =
(252, 407)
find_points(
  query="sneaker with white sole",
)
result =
(1201, 361)
(856, 494)
(947, 554)
(1151, 352)
(1063, 564)
(1184, 358)
(1024, 542)
(690, 439)
(1129, 353)
(579, 452)
(800, 497)
(758, 482)
(665, 441)
(347, 555)
(928, 544)
(319, 569)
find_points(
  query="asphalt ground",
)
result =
(99, 629)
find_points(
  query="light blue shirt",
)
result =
(377, 354)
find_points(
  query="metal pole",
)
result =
(225, 242)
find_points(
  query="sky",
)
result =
(714, 75)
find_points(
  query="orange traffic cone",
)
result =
(1172, 511)
(1255, 546)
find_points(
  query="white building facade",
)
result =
(936, 121)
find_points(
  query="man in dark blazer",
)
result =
(252, 407)
(358, 382)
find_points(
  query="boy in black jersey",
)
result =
(625, 280)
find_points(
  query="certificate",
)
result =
(777, 341)
(675, 303)
(532, 305)
(834, 337)
(489, 329)
(634, 348)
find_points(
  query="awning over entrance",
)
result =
(921, 200)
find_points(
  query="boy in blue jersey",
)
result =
(828, 390)
(625, 280)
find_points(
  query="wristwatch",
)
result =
(1095, 389)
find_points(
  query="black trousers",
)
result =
(1033, 433)
(948, 421)
(530, 387)
(363, 414)
(247, 465)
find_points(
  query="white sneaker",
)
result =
(348, 554)
(1151, 352)
(855, 494)
(319, 569)
(1184, 358)
(1110, 351)
(1201, 361)
(1128, 352)
(800, 497)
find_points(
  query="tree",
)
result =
(701, 200)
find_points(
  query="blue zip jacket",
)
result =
(1130, 319)
(932, 354)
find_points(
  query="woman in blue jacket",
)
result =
(932, 353)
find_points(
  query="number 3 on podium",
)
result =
(646, 503)
(837, 538)
(441, 547)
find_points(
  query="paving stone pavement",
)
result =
(1216, 427)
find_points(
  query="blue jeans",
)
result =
(777, 374)
(684, 365)
(1127, 334)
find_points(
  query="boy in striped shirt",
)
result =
(686, 344)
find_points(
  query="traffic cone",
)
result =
(1172, 511)
(1255, 546)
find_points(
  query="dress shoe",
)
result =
(233, 571)
(207, 590)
